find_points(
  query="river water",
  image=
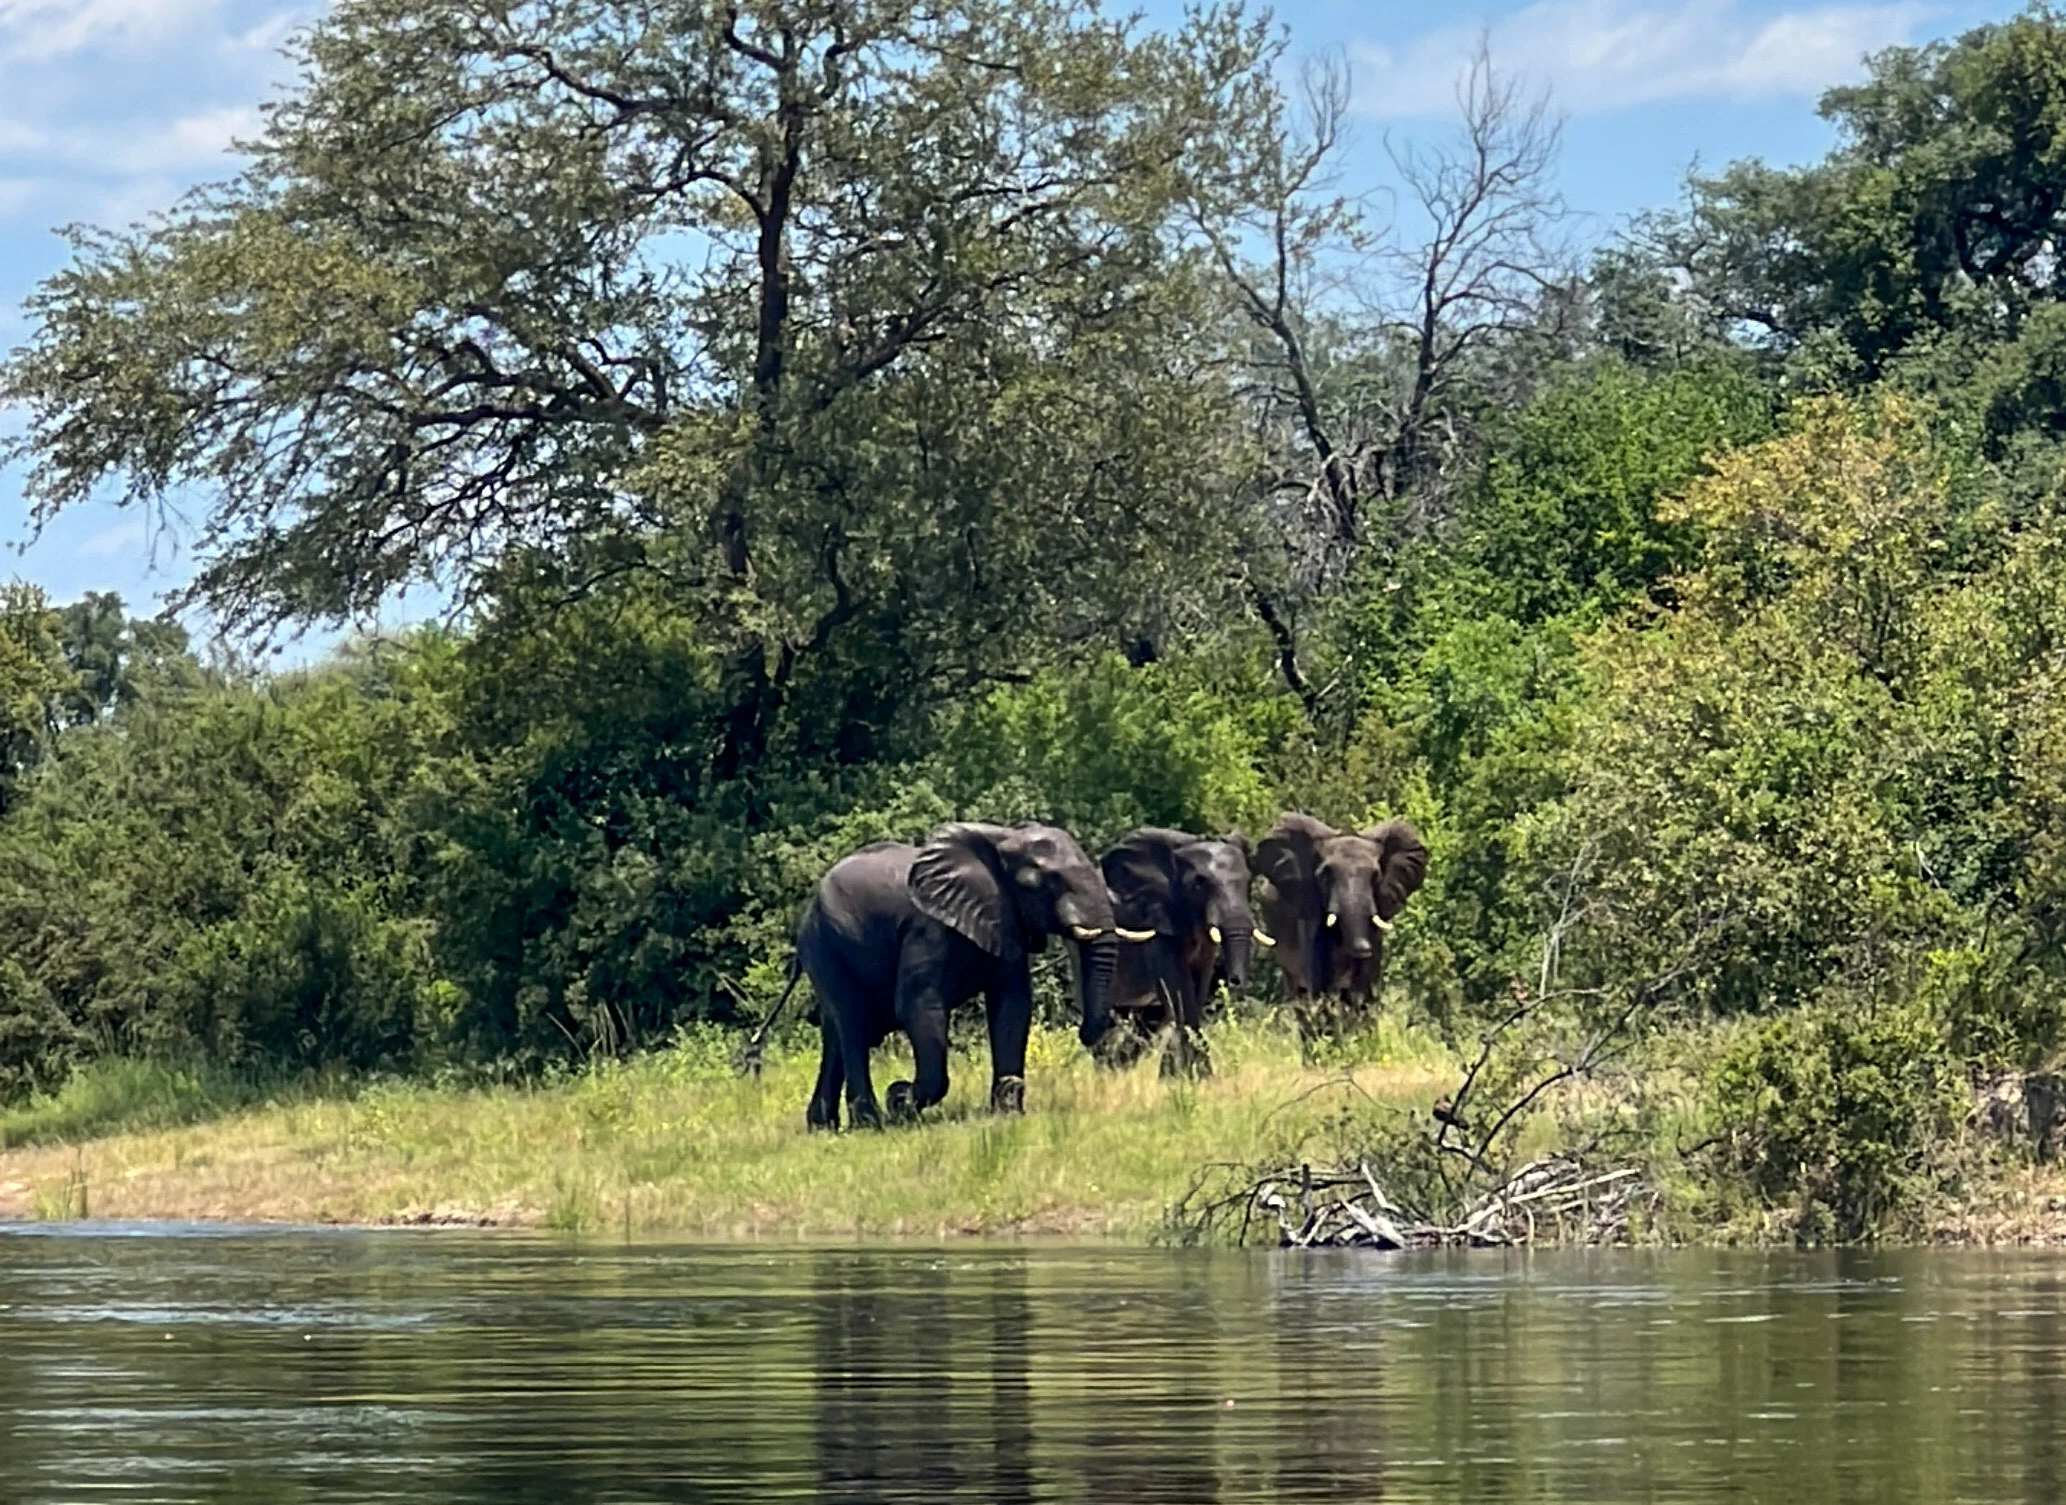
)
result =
(221, 1366)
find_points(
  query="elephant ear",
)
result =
(954, 880)
(1141, 873)
(1402, 864)
(1289, 856)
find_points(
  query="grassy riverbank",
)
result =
(676, 1142)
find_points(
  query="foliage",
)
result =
(1106, 748)
(222, 870)
(1837, 1117)
(1935, 215)
(33, 677)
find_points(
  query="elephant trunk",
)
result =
(1097, 961)
(1237, 952)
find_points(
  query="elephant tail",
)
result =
(749, 1060)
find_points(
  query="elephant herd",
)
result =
(896, 936)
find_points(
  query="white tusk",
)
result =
(1136, 936)
(1381, 922)
(1214, 932)
(1264, 938)
(1332, 919)
(1085, 932)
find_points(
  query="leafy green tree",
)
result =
(863, 326)
(34, 682)
(116, 658)
(227, 871)
(1740, 824)
(1105, 748)
(1569, 514)
(1940, 212)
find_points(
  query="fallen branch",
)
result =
(1345, 1207)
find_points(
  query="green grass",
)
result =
(118, 1096)
(675, 1141)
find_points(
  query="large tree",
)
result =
(1941, 213)
(866, 326)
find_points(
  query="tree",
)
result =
(1369, 350)
(34, 681)
(853, 320)
(116, 658)
(1941, 212)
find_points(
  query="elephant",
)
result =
(1331, 896)
(1192, 893)
(896, 936)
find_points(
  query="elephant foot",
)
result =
(903, 1107)
(1121, 1045)
(820, 1119)
(1008, 1095)
(1188, 1061)
(1187, 1058)
(864, 1113)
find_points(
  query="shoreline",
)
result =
(674, 1145)
(2045, 1238)
(677, 1142)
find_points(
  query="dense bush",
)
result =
(1838, 1117)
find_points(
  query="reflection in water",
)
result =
(904, 1376)
(358, 1367)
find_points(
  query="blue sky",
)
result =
(113, 107)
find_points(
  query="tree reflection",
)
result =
(1329, 1434)
(921, 1379)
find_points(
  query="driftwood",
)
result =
(1552, 1201)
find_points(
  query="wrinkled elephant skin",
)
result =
(896, 936)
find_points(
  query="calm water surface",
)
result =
(172, 1366)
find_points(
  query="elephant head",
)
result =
(1189, 887)
(1008, 888)
(1339, 892)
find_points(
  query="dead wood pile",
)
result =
(1551, 1201)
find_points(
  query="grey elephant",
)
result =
(1191, 893)
(896, 936)
(1331, 897)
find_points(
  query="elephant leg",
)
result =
(1011, 1021)
(862, 1110)
(823, 1112)
(923, 1013)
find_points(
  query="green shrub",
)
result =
(1838, 1118)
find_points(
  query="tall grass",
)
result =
(120, 1095)
(675, 1141)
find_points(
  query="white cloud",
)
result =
(1603, 55)
(192, 141)
(44, 29)
(113, 107)
(271, 34)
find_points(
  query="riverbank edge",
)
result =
(676, 1145)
